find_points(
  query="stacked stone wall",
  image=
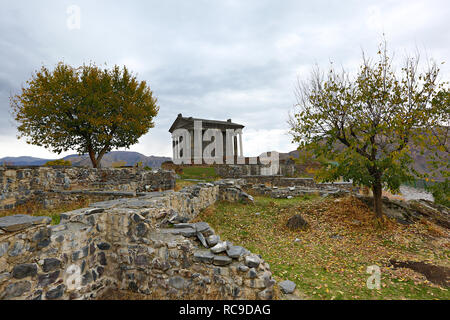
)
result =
(20, 185)
(227, 171)
(129, 245)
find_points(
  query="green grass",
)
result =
(326, 268)
(200, 173)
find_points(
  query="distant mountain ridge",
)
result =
(130, 157)
(420, 161)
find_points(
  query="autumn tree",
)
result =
(365, 125)
(439, 146)
(87, 109)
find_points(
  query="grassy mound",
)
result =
(329, 260)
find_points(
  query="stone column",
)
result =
(235, 148)
(241, 152)
(229, 150)
(173, 147)
(177, 151)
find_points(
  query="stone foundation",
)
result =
(275, 182)
(129, 245)
(20, 185)
(243, 170)
(280, 181)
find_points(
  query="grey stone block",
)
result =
(203, 256)
(222, 260)
(202, 239)
(287, 286)
(213, 240)
(16, 249)
(252, 261)
(235, 252)
(3, 248)
(51, 264)
(21, 221)
(220, 247)
(177, 282)
(188, 232)
(56, 292)
(202, 227)
(252, 274)
(17, 289)
(21, 271)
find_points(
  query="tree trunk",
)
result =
(377, 204)
(100, 156)
(92, 157)
(99, 161)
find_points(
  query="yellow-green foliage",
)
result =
(119, 164)
(87, 109)
(368, 125)
(59, 162)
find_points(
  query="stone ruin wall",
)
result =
(280, 187)
(125, 245)
(243, 170)
(53, 186)
(251, 175)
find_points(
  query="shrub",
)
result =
(441, 192)
(119, 164)
(60, 162)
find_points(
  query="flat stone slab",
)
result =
(67, 215)
(203, 256)
(21, 221)
(198, 227)
(183, 225)
(108, 204)
(138, 203)
(188, 232)
(185, 232)
(98, 192)
(220, 247)
(93, 211)
(287, 286)
(235, 252)
(222, 260)
(202, 226)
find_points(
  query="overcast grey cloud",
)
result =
(211, 59)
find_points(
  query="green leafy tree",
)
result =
(87, 109)
(365, 125)
(439, 147)
(441, 192)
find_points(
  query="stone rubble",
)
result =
(296, 191)
(55, 186)
(130, 244)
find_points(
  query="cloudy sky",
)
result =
(216, 59)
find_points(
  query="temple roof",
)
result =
(188, 123)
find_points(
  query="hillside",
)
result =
(130, 157)
(420, 160)
(24, 161)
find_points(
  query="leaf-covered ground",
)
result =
(329, 260)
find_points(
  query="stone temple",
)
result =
(231, 136)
